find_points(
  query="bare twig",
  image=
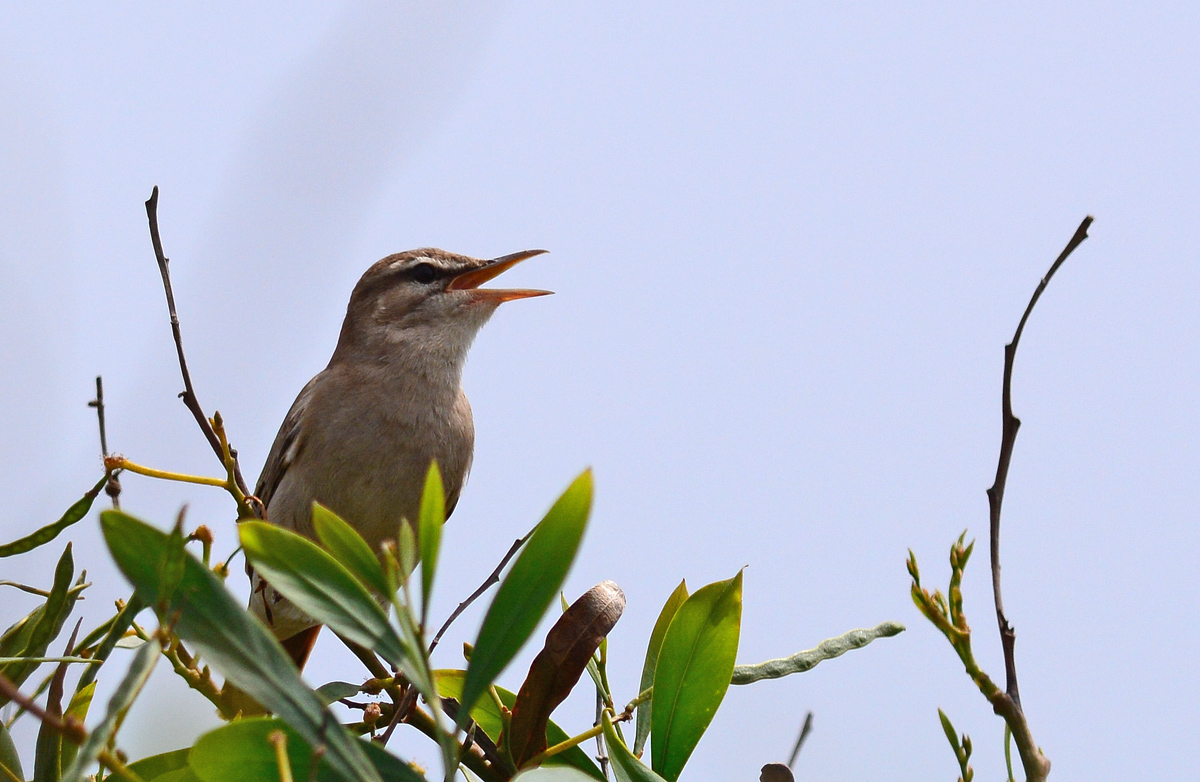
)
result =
(1036, 764)
(804, 731)
(492, 579)
(189, 394)
(113, 487)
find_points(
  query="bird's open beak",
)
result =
(470, 281)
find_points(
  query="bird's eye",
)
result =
(424, 273)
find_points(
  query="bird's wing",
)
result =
(288, 443)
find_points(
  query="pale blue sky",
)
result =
(788, 242)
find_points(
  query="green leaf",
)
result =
(242, 752)
(16, 637)
(127, 691)
(49, 622)
(170, 563)
(325, 590)
(335, 691)
(626, 767)
(10, 761)
(81, 701)
(406, 544)
(234, 642)
(155, 766)
(807, 660)
(48, 750)
(527, 590)
(433, 516)
(320, 586)
(348, 548)
(487, 717)
(50, 532)
(656, 638)
(694, 666)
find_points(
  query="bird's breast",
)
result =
(366, 457)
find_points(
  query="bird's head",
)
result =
(428, 299)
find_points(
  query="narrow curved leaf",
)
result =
(48, 750)
(234, 642)
(127, 691)
(9, 758)
(659, 632)
(242, 752)
(335, 691)
(155, 766)
(429, 532)
(348, 548)
(48, 624)
(694, 666)
(527, 590)
(77, 709)
(487, 718)
(50, 531)
(807, 660)
(626, 767)
(556, 669)
(320, 586)
(324, 589)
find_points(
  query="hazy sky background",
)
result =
(788, 242)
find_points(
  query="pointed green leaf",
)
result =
(527, 590)
(233, 641)
(170, 564)
(155, 766)
(242, 752)
(626, 767)
(320, 586)
(694, 666)
(81, 701)
(656, 638)
(10, 761)
(50, 531)
(406, 543)
(127, 691)
(54, 613)
(487, 717)
(348, 548)
(335, 691)
(433, 516)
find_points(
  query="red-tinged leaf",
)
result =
(553, 674)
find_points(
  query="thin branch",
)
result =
(1036, 764)
(1008, 437)
(189, 394)
(804, 731)
(113, 487)
(492, 579)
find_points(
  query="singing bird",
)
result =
(360, 436)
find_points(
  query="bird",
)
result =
(362, 433)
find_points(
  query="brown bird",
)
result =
(360, 436)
